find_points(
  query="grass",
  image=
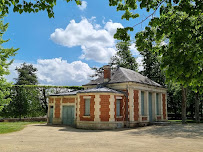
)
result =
(8, 127)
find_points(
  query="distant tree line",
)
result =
(27, 98)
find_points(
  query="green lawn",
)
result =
(7, 127)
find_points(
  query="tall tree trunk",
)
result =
(183, 105)
(197, 108)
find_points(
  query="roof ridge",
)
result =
(124, 73)
(140, 75)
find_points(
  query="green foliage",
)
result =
(123, 57)
(25, 102)
(180, 24)
(32, 100)
(152, 69)
(27, 75)
(30, 6)
(5, 53)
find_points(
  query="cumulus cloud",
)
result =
(140, 63)
(83, 6)
(97, 43)
(57, 72)
(134, 50)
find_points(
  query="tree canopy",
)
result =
(26, 75)
(30, 6)
(175, 35)
(123, 57)
(5, 53)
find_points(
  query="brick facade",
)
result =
(107, 73)
(104, 116)
(68, 100)
(51, 100)
(136, 105)
(144, 118)
(164, 105)
(82, 109)
(158, 118)
(57, 107)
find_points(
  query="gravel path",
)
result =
(43, 138)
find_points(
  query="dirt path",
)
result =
(42, 138)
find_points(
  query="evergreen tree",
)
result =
(123, 57)
(25, 101)
(26, 75)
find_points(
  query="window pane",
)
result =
(157, 104)
(142, 103)
(87, 107)
(118, 107)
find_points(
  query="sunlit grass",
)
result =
(8, 127)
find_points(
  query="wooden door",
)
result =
(68, 115)
(51, 111)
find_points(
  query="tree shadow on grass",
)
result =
(171, 131)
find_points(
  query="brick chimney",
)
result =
(107, 73)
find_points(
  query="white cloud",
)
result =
(134, 50)
(140, 63)
(57, 72)
(83, 6)
(97, 43)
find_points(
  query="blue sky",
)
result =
(65, 47)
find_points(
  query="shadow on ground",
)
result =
(169, 131)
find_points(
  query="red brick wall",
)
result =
(57, 107)
(164, 105)
(122, 109)
(51, 100)
(144, 118)
(82, 108)
(104, 116)
(68, 100)
(107, 73)
(158, 117)
(136, 105)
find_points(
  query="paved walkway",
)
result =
(43, 138)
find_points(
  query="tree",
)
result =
(123, 57)
(32, 109)
(26, 75)
(180, 24)
(152, 67)
(26, 101)
(5, 53)
(30, 6)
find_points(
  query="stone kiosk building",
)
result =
(121, 98)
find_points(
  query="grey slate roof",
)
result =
(125, 75)
(102, 89)
(92, 90)
(65, 94)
